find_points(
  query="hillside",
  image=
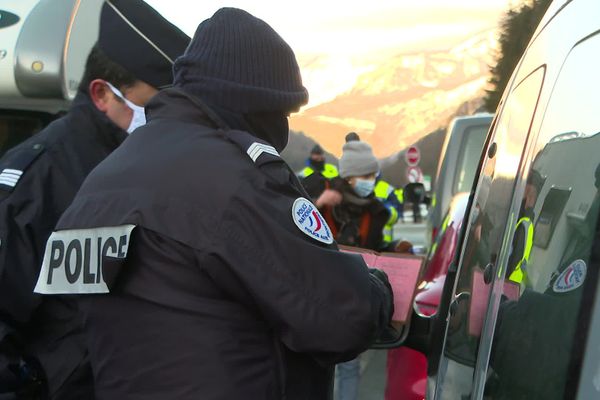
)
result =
(403, 98)
(298, 150)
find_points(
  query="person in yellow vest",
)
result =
(392, 200)
(316, 163)
(316, 176)
(524, 231)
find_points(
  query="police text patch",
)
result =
(73, 259)
(309, 220)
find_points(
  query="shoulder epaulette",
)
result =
(258, 150)
(14, 164)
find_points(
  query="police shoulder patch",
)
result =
(73, 260)
(571, 278)
(309, 220)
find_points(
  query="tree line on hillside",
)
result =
(516, 29)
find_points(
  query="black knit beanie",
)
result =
(239, 62)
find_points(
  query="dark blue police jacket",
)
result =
(47, 170)
(223, 280)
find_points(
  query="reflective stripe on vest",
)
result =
(519, 275)
(399, 195)
(383, 190)
(388, 229)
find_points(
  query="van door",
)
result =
(540, 335)
(483, 243)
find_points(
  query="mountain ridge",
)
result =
(403, 98)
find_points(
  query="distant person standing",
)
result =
(356, 218)
(317, 174)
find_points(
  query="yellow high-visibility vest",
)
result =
(519, 275)
(382, 191)
(330, 171)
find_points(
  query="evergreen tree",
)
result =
(517, 28)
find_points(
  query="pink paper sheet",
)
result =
(479, 300)
(403, 273)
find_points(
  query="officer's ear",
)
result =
(100, 94)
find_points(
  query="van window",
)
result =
(16, 126)
(490, 210)
(470, 152)
(540, 334)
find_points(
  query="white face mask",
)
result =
(139, 116)
(364, 187)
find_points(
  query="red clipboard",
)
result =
(480, 293)
(403, 271)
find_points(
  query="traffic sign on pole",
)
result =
(412, 156)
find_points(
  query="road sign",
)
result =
(412, 156)
(414, 174)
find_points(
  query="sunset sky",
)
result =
(336, 41)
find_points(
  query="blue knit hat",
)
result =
(239, 62)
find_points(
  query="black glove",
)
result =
(388, 294)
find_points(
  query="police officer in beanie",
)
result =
(42, 351)
(206, 272)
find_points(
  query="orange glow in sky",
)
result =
(337, 41)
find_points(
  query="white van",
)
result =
(536, 334)
(457, 167)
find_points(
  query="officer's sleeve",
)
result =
(318, 300)
(28, 213)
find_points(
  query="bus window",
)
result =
(16, 126)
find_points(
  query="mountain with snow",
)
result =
(403, 97)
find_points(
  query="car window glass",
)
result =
(470, 152)
(540, 332)
(485, 232)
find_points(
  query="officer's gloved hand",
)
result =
(388, 294)
(388, 333)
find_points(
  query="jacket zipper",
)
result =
(280, 366)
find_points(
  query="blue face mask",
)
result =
(364, 187)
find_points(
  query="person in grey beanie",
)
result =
(355, 215)
(207, 273)
(357, 218)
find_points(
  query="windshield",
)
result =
(471, 147)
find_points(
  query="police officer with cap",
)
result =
(42, 351)
(204, 270)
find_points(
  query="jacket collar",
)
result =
(174, 103)
(103, 129)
